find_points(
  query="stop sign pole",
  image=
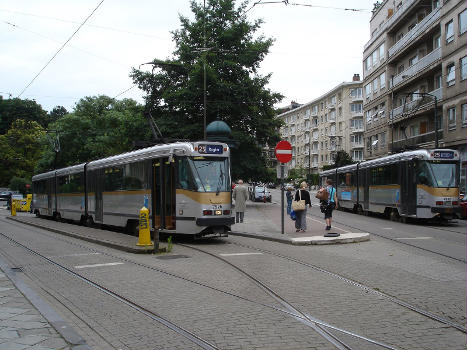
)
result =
(283, 153)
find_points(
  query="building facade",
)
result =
(414, 77)
(320, 128)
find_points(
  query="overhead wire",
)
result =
(60, 49)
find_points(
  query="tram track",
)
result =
(317, 325)
(392, 239)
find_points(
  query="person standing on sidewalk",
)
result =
(302, 194)
(331, 203)
(240, 195)
(289, 196)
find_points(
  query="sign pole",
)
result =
(282, 198)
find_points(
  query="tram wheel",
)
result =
(89, 222)
(394, 215)
(58, 217)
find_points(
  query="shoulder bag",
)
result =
(300, 204)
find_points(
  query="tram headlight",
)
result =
(218, 212)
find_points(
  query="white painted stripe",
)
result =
(284, 151)
(98, 265)
(77, 254)
(387, 228)
(407, 238)
(236, 254)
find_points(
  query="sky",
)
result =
(315, 48)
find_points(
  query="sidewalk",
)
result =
(27, 322)
(263, 221)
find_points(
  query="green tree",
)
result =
(20, 149)
(342, 158)
(19, 184)
(98, 127)
(236, 93)
(56, 113)
(14, 109)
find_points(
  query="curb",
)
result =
(355, 237)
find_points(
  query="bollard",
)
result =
(144, 238)
(13, 207)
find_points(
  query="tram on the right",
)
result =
(419, 184)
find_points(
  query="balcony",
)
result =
(314, 151)
(423, 140)
(397, 113)
(332, 133)
(306, 117)
(314, 126)
(392, 20)
(357, 129)
(423, 63)
(356, 145)
(414, 34)
(315, 165)
(332, 148)
(356, 98)
(356, 114)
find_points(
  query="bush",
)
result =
(19, 184)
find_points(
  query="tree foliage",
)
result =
(20, 150)
(235, 92)
(342, 158)
(13, 109)
(98, 127)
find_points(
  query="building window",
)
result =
(375, 85)
(400, 69)
(452, 117)
(413, 60)
(435, 4)
(382, 81)
(437, 81)
(374, 57)
(414, 130)
(356, 107)
(368, 90)
(463, 22)
(381, 52)
(451, 75)
(449, 32)
(368, 63)
(464, 114)
(437, 42)
(463, 68)
(383, 138)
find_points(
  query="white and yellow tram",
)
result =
(186, 187)
(421, 184)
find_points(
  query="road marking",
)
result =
(324, 223)
(387, 228)
(407, 238)
(234, 254)
(98, 265)
(77, 254)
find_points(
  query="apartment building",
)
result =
(414, 69)
(320, 128)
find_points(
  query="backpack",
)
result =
(322, 194)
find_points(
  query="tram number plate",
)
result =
(448, 203)
(210, 149)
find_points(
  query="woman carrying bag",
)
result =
(302, 199)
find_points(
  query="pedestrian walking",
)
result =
(289, 196)
(240, 195)
(302, 195)
(331, 203)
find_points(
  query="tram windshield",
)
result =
(204, 174)
(437, 174)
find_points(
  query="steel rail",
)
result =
(183, 332)
(307, 319)
(362, 286)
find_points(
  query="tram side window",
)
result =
(384, 175)
(185, 176)
(70, 183)
(39, 187)
(134, 176)
(113, 179)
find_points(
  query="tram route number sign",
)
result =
(443, 155)
(283, 151)
(210, 149)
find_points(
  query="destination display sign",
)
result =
(210, 149)
(443, 155)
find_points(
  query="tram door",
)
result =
(366, 188)
(163, 198)
(408, 188)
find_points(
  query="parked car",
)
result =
(262, 194)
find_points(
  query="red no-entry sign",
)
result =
(283, 151)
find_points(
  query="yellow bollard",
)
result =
(13, 207)
(144, 232)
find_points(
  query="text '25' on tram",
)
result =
(421, 184)
(186, 187)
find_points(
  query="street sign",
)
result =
(283, 151)
(285, 171)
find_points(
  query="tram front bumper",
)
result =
(447, 211)
(215, 221)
